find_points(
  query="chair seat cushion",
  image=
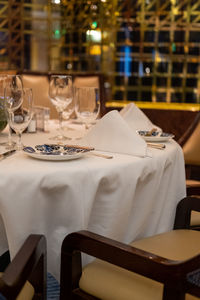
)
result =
(26, 293)
(109, 282)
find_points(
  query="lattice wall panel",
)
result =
(148, 50)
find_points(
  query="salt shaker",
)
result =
(32, 125)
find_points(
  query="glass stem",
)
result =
(60, 121)
(86, 126)
(9, 135)
(19, 144)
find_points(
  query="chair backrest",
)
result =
(8, 72)
(191, 148)
(40, 87)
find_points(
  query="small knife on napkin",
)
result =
(6, 154)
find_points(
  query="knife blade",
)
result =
(6, 154)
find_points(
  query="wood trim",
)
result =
(154, 105)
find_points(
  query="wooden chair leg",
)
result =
(170, 293)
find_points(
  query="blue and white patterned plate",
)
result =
(156, 136)
(56, 152)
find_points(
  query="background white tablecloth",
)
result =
(124, 198)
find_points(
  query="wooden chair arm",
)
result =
(133, 259)
(29, 263)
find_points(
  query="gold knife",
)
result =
(6, 154)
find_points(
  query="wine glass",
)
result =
(20, 118)
(13, 89)
(60, 94)
(3, 116)
(87, 104)
(68, 113)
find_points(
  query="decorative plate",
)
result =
(56, 152)
(156, 136)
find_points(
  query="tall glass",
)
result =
(60, 94)
(20, 118)
(87, 104)
(13, 90)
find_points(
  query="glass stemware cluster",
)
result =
(18, 102)
(85, 101)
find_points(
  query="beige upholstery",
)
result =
(8, 72)
(26, 293)
(191, 148)
(109, 282)
(40, 87)
(86, 81)
(195, 218)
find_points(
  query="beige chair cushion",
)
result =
(109, 282)
(191, 148)
(8, 72)
(26, 293)
(40, 88)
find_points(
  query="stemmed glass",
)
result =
(13, 90)
(3, 117)
(68, 113)
(20, 118)
(60, 94)
(87, 104)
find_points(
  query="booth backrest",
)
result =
(40, 87)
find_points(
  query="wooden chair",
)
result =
(190, 143)
(25, 276)
(163, 266)
(187, 213)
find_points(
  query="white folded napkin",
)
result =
(112, 134)
(136, 119)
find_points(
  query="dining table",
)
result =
(124, 198)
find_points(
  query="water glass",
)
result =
(87, 104)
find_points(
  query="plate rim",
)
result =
(54, 157)
(157, 138)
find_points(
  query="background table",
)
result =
(124, 198)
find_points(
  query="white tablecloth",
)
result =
(124, 198)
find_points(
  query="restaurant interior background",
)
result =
(146, 50)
